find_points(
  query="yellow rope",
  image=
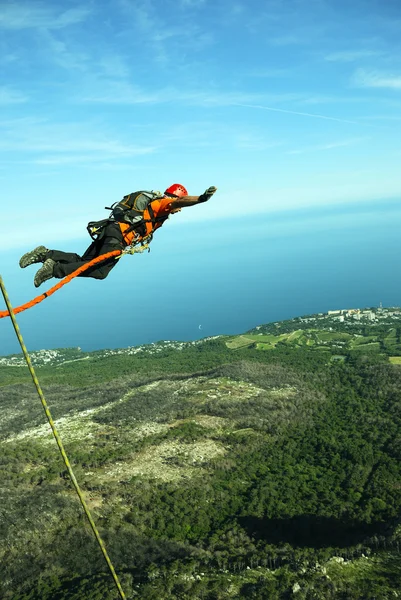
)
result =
(58, 440)
(135, 249)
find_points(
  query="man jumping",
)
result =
(132, 221)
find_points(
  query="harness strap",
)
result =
(152, 220)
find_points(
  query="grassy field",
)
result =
(329, 336)
(295, 338)
(241, 341)
(314, 339)
(359, 341)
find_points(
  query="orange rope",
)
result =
(59, 285)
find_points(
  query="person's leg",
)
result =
(111, 240)
(102, 269)
(41, 253)
(64, 257)
(67, 262)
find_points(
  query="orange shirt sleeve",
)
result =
(163, 207)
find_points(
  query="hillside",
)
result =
(263, 465)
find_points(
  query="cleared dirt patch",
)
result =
(169, 461)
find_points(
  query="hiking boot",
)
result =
(35, 256)
(45, 272)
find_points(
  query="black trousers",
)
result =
(68, 262)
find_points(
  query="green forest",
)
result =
(235, 468)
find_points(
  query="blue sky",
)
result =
(283, 105)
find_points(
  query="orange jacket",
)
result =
(161, 210)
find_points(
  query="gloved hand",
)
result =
(207, 194)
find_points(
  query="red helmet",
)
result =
(176, 190)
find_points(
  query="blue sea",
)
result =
(221, 277)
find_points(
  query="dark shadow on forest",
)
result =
(312, 531)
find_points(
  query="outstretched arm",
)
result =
(192, 200)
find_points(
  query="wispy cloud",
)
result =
(351, 55)
(165, 39)
(254, 143)
(318, 99)
(381, 118)
(124, 93)
(7, 59)
(328, 146)
(285, 40)
(104, 90)
(66, 56)
(98, 155)
(109, 91)
(148, 24)
(113, 65)
(269, 73)
(10, 96)
(237, 9)
(295, 112)
(32, 15)
(81, 59)
(43, 142)
(192, 3)
(377, 79)
(234, 98)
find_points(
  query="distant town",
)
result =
(356, 314)
(65, 355)
(333, 319)
(340, 319)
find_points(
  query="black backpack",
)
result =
(131, 208)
